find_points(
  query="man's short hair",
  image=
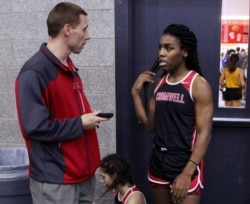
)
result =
(63, 13)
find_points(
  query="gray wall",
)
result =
(24, 29)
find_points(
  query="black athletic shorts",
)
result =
(161, 175)
(167, 165)
(232, 94)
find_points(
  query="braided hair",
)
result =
(188, 41)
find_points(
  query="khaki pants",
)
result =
(46, 193)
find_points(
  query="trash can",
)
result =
(14, 180)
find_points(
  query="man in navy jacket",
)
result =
(55, 117)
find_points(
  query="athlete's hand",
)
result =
(180, 187)
(146, 76)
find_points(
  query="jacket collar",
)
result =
(70, 68)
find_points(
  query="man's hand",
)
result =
(91, 120)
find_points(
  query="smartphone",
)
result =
(105, 115)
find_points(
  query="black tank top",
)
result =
(175, 114)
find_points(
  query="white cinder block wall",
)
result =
(24, 29)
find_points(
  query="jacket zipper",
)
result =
(82, 108)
